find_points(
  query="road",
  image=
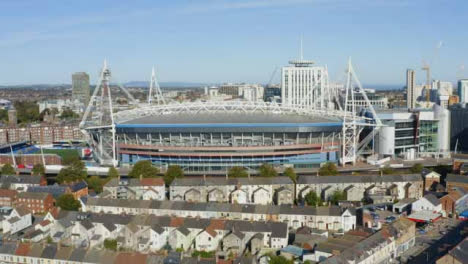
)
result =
(439, 238)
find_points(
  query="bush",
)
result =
(313, 199)
(173, 171)
(145, 169)
(337, 196)
(417, 168)
(279, 260)
(110, 244)
(328, 169)
(68, 202)
(267, 170)
(7, 169)
(203, 254)
(238, 172)
(387, 170)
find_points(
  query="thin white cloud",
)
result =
(65, 27)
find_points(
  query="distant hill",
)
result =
(165, 84)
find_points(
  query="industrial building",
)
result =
(414, 133)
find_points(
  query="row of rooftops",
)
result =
(21, 179)
(218, 207)
(78, 255)
(212, 181)
(358, 245)
(157, 223)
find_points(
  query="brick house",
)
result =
(449, 200)
(7, 197)
(36, 202)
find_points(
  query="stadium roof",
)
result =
(232, 118)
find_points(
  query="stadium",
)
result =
(205, 136)
(216, 136)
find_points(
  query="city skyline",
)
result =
(227, 41)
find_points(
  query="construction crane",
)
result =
(427, 68)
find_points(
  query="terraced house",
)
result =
(255, 190)
(357, 187)
(331, 218)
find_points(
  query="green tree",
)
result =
(68, 114)
(145, 169)
(313, 199)
(110, 244)
(387, 170)
(279, 260)
(38, 169)
(3, 115)
(237, 172)
(68, 202)
(289, 172)
(113, 173)
(73, 172)
(7, 169)
(27, 111)
(267, 170)
(417, 168)
(173, 171)
(95, 183)
(328, 169)
(338, 195)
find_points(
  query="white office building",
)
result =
(463, 91)
(306, 85)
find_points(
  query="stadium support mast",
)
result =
(154, 88)
(351, 126)
(98, 124)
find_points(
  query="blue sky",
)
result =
(233, 41)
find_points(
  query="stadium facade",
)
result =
(207, 140)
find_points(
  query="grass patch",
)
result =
(63, 153)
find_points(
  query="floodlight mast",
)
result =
(155, 88)
(98, 123)
(351, 128)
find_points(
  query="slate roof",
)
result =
(49, 252)
(460, 252)
(76, 186)
(432, 199)
(218, 181)
(358, 178)
(24, 179)
(457, 178)
(218, 207)
(8, 248)
(78, 255)
(55, 190)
